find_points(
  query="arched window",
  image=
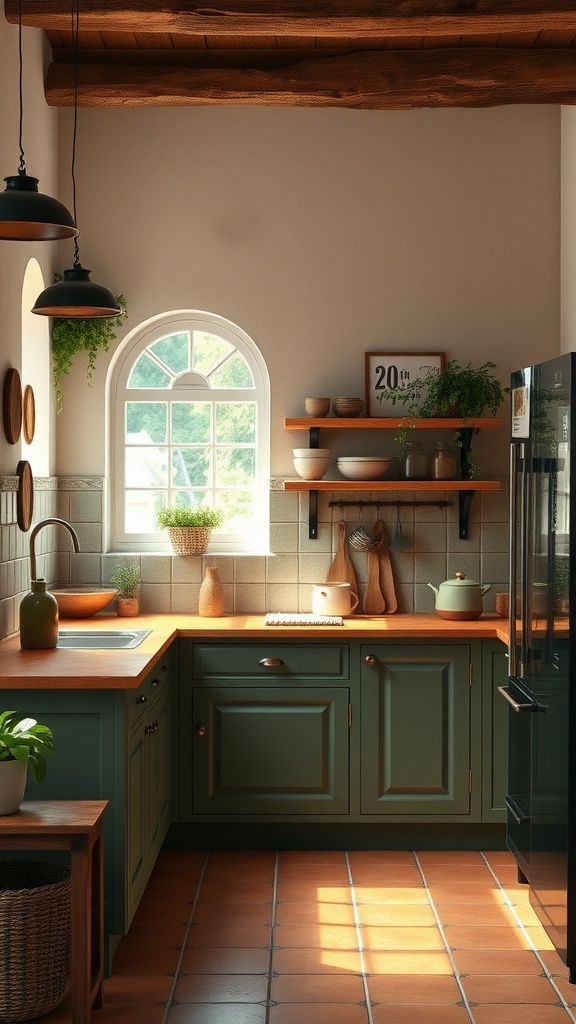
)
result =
(189, 402)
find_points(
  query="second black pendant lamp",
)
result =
(27, 215)
(76, 295)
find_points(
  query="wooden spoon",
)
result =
(386, 577)
(374, 603)
(342, 569)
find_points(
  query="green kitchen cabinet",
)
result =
(494, 731)
(416, 730)
(264, 729)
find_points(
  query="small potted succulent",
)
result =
(24, 743)
(126, 577)
(189, 528)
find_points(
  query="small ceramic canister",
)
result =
(317, 406)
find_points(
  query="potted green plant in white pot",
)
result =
(126, 578)
(24, 743)
(189, 528)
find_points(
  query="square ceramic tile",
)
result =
(313, 568)
(155, 597)
(281, 597)
(250, 598)
(495, 537)
(430, 568)
(284, 506)
(424, 599)
(249, 570)
(322, 543)
(284, 537)
(472, 542)
(491, 567)
(89, 537)
(466, 563)
(429, 537)
(84, 568)
(282, 569)
(187, 569)
(86, 506)
(156, 568)
(185, 598)
(495, 506)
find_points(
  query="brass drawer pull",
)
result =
(271, 662)
(370, 660)
(200, 729)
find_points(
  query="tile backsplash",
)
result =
(278, 582)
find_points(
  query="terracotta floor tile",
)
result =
(318, 1013)
(462, 937)
(124, 1013)
(193, 858)
(316, 961)
(520, 1013)
(311, 857)
(398, 937)
(384, 874)
(467, 892)
(482, 961)
(132, 988)
(317, 988)
(382, 914)
(212, 1013)
(162, 936)
(527, 915)
(407, 962)
(236, 892)
(381, 857)
(304, 891)
(243, 873)
(329, 936)
(567, 990)
(162, 912)
(232, 913)
(176, 872)
(204, 935)
(429, 857)
(391, 893)
(405, 988)
(146, 961)
(493, 988)
(499, 857)
(226, 960)
(457, 873)
(221, 988)
(414, 1014)
(470, 914)
(538, 938)
(553, 963)
(507, 875)
(232, 858)
(315, 913)
(179, 889)
(319, 874)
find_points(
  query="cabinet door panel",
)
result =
(308, 661)
(266, 751)
(416, 731)
(494, 732)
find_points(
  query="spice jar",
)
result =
(443, 462)
(413, 463)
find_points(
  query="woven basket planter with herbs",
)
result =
(189, 529)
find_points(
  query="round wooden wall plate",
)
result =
(28, 414)
(24, 496)
(12, 405)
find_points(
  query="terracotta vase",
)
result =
(211, 597)
(127, 606)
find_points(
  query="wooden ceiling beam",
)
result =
(343, 18)
(379, 80)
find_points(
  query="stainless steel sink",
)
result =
(102, 639)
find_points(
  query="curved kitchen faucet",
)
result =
(35, 531)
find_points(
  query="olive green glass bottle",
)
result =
(38, 618)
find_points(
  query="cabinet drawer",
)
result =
(139, 701)
(271, 660)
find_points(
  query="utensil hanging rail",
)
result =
(380, 504)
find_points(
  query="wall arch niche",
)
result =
(36, 362)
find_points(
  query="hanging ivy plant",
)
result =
(73, 335)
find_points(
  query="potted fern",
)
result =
(126, 578)
(189, 528)
(71, 335)
(24, 743)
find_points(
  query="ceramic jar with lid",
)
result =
(459, 598)
(413, 464)
(443, 462)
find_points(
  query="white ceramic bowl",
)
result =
(364, 467)
(311, 469)
(311, 453)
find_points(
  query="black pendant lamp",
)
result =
(76, 296)
(27, 215)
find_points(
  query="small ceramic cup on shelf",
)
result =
(317, 406)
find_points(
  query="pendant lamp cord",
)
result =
(75, 23)
(22, 164)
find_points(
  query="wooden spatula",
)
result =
(386, 577)
(374, 603)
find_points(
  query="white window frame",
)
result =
(117, 393)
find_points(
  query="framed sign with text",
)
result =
(388, 370)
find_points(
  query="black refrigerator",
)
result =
(541, 690)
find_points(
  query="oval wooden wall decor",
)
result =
(28, 414)
(12, 405)
(24, 496)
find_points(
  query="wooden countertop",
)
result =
(72, 669)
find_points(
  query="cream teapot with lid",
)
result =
(459, 598)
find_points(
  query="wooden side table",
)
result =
(74, 825)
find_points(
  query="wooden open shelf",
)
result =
(392, 485)
(387, 423)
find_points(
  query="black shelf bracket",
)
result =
(464, 439)
(464, 505)
(313, 515)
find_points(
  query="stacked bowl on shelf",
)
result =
(311, 463)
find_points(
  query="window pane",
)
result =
(235, 467)
(191, 422)
(140, 510)
(173, 351)
(238, 507)
(190, 467)
(146, 467)
(235, 373)
(147, 374)
(189, 499)
(209, 350)
(146, 422)
(235, 422)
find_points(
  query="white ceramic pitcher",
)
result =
(333, 599)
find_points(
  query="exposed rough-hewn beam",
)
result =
(350, 18)
(383, 80)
